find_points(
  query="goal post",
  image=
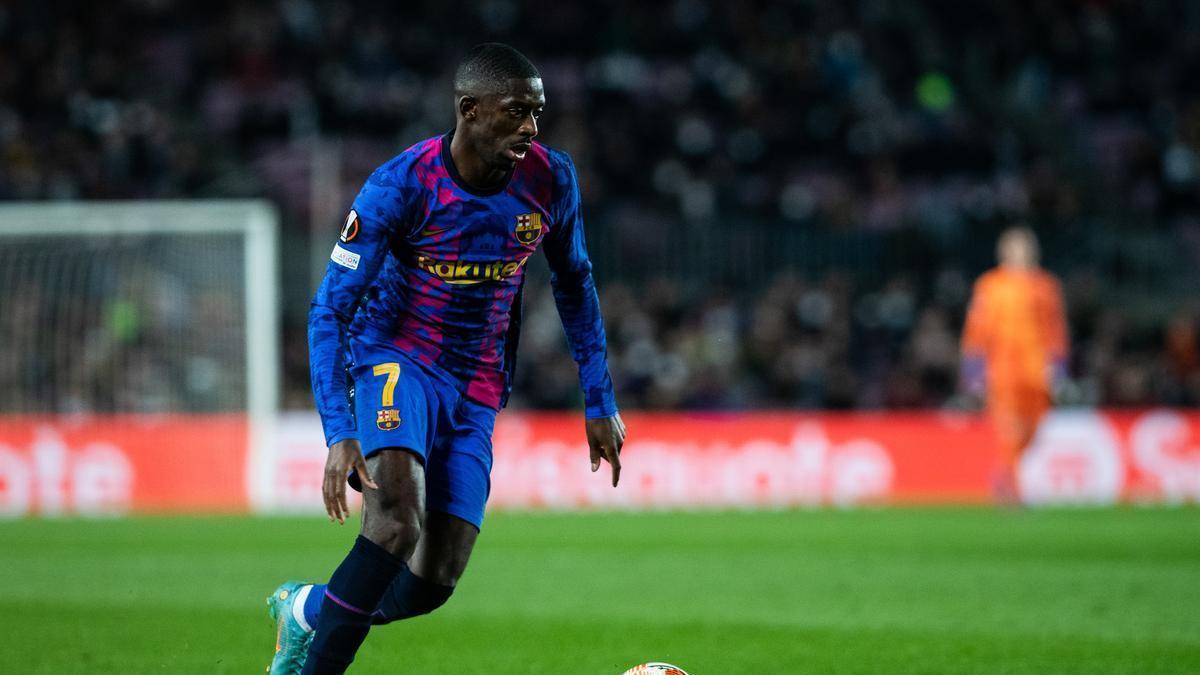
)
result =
(144, 307)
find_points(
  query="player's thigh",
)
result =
(458, 482)
(1022, 410)
(445, 548)
(393, 513)
(458, 471)
(1015, 428)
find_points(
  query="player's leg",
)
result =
(1015, 433)
(396, 406)
(428, 580)
(1017, 418)
(457, 482)
(445, 548)
(1006, 421)
(392, 515)
(391, 528)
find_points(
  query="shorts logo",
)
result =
(349, 228)
(529, 228)
(387, 419)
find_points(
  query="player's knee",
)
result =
(408, 596)
(433, 597)
(445, 572)
(396, 531)
(425, 595)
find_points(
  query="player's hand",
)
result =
(343, 456)
(605, 437)
(1060, 380)
(973, 374)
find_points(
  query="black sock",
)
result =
(354, 591)
(409, 595)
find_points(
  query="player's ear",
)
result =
(468, 107)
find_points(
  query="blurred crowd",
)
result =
(690, 120)
(827, 344)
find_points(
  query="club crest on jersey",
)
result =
(387, 419)
(349, 228)
(529, 228)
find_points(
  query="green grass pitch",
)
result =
(955, 591)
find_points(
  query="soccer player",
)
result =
(1015, 348)
(420, 307)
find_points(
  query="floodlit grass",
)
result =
(955, 591)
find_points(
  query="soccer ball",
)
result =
(655, 668)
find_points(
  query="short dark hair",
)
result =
(489, 67)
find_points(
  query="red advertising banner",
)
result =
(116, 464)
(202, 463)
(774, 459)
(789, 459)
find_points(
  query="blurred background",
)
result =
(787, 203)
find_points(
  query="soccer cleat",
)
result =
(292, 636)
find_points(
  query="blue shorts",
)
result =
(400, 404)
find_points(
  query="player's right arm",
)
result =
(976, 335)
(354, 263)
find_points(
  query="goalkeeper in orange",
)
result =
(1015, 348)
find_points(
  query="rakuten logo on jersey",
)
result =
(50, 478)
(464, 272)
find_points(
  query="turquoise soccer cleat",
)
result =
(292, 636)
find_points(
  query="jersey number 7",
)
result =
(388, 418)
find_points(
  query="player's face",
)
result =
(1018, 250)
(509, 121)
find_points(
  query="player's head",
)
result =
(1017, 248)
(498, 98)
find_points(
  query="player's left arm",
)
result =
(1055, 331)
(579, 308)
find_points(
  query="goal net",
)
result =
(140, 307)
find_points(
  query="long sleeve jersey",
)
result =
(434, 267)
(1017, 325)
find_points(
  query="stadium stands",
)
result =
(787, 200)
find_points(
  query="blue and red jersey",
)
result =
(434, 267)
